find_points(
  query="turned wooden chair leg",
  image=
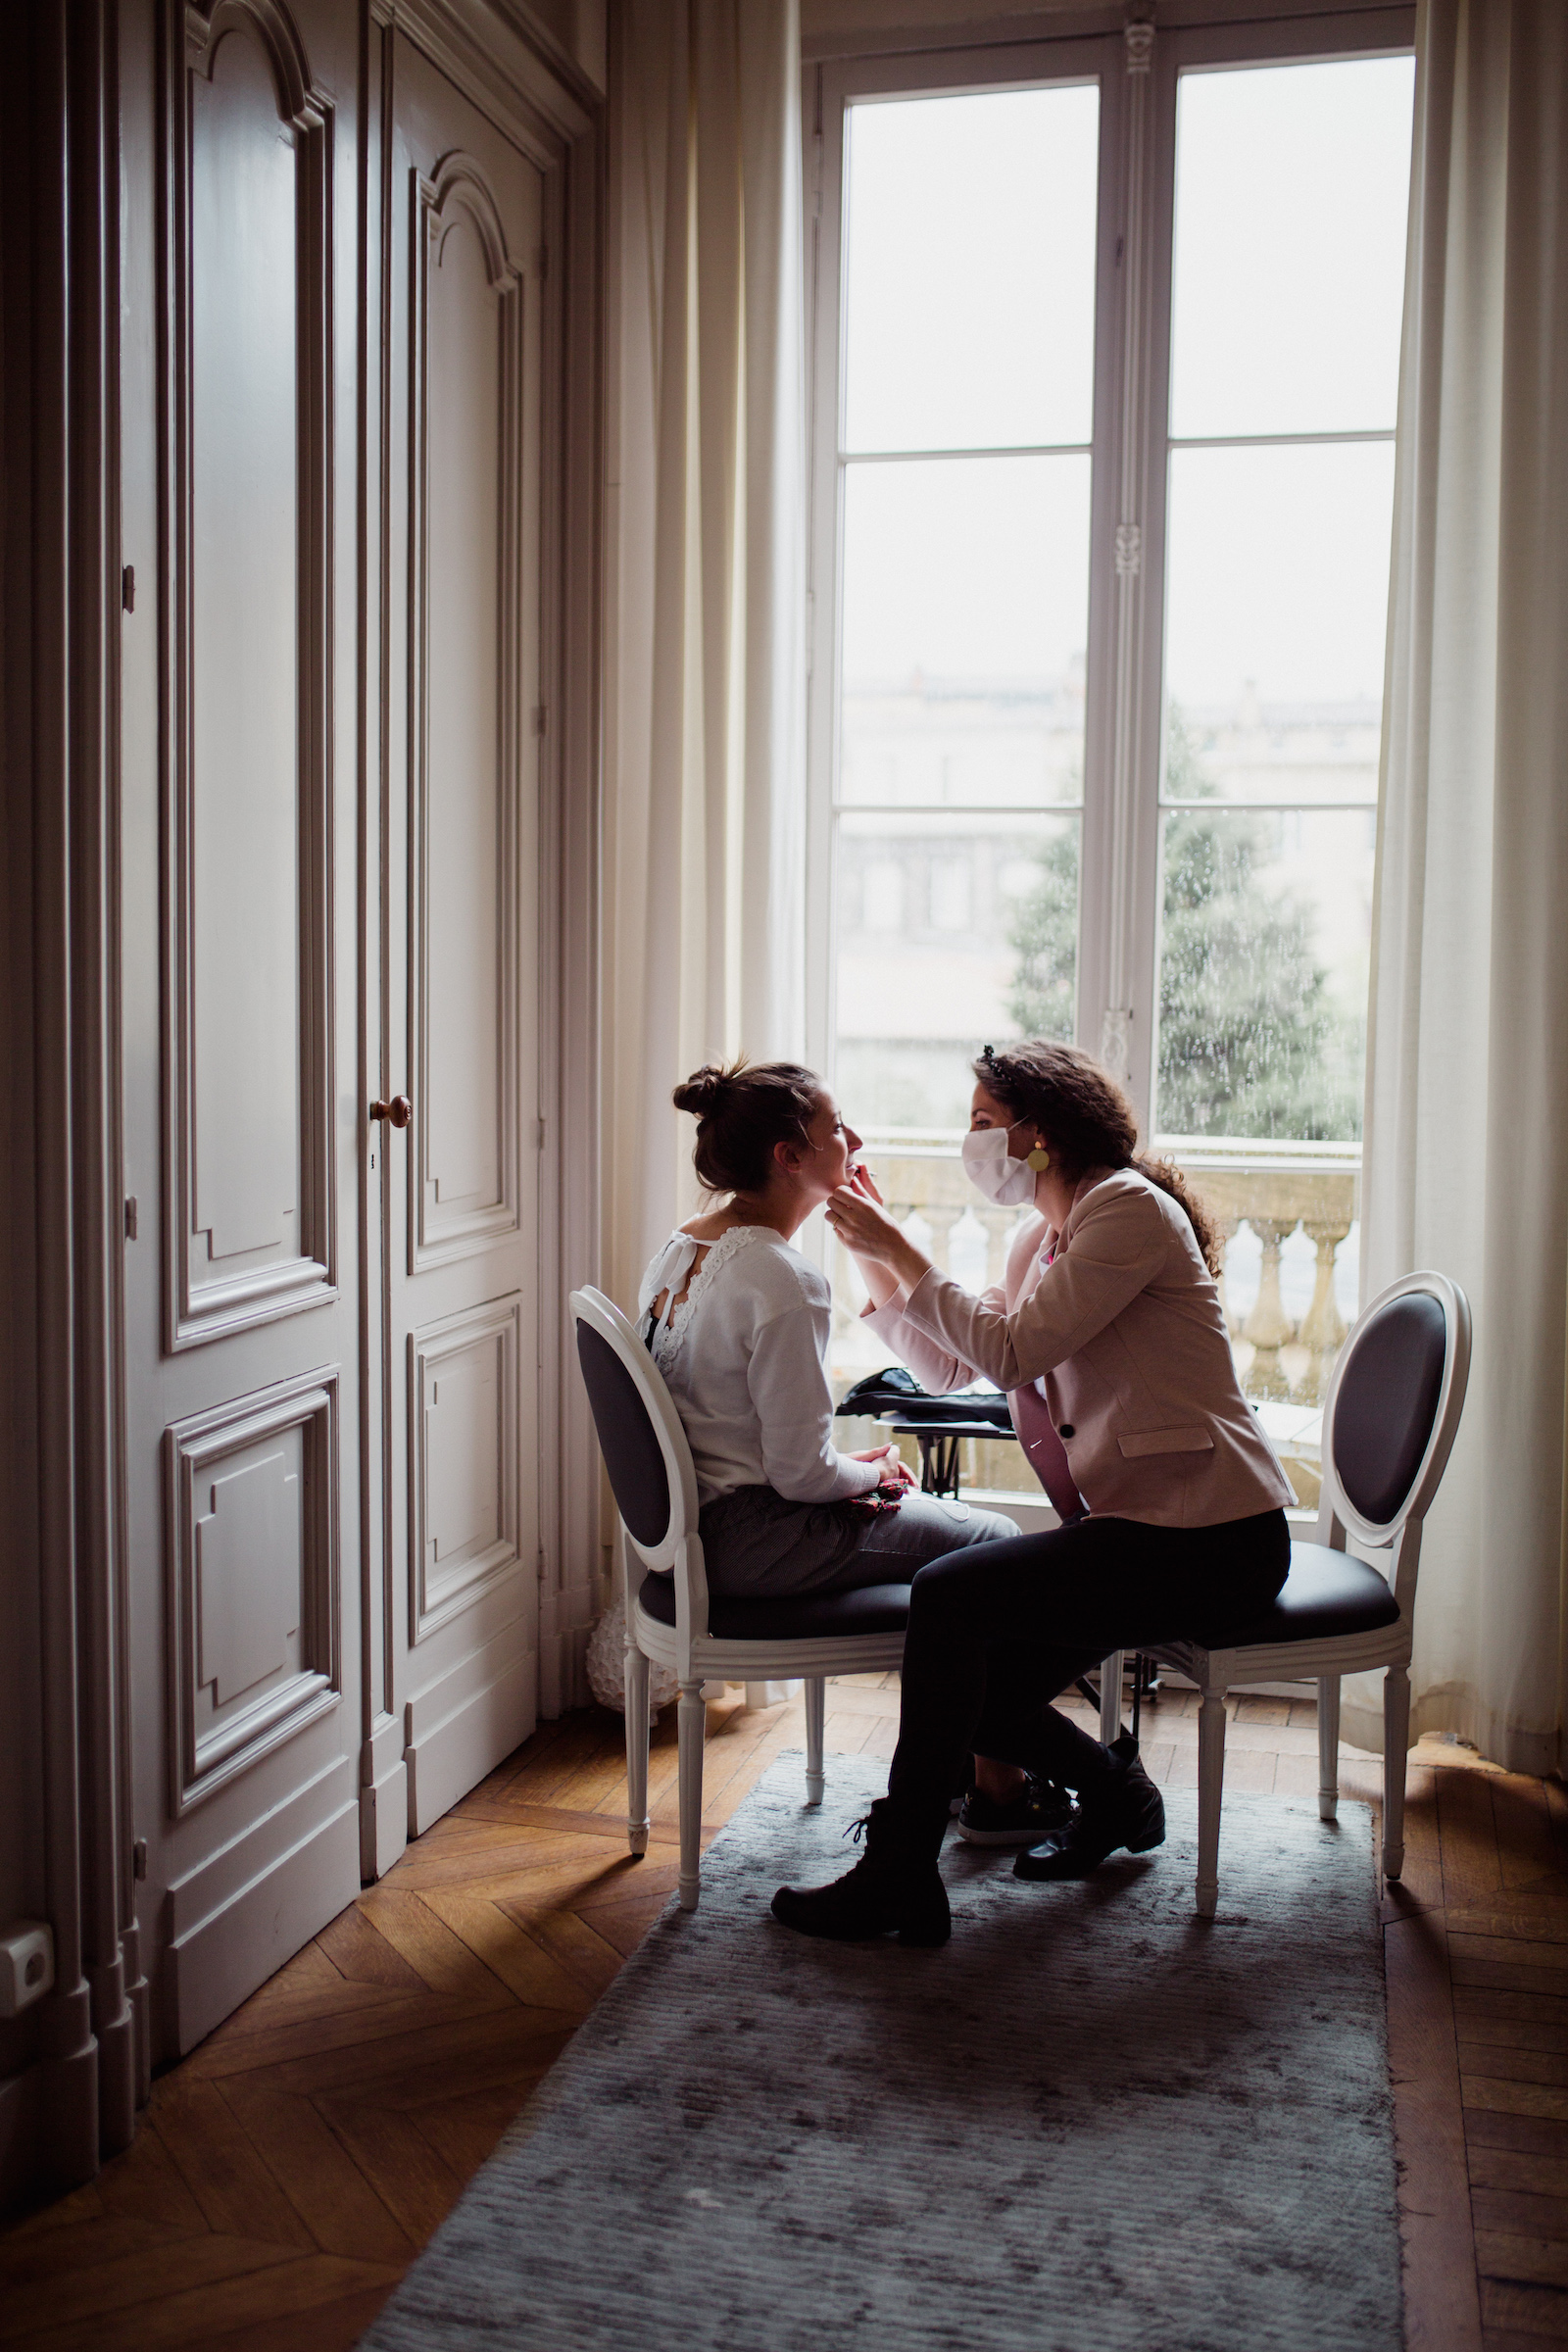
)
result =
(1396, 1746)
(693, 1729)
(1210, 1795)
(816, 1710)
(1328, 1746)
(636, 1687)
(1110, 1698)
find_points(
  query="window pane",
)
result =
(969, 314)
(965, 609)
(1275, 614)
(1263, 972)
(952, 930)
(963, 742)
(1291, 187)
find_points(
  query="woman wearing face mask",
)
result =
(1106, 1334)
(738, 1322)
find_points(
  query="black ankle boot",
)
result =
(895, 1889)
(1124, 1809)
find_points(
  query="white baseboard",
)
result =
(217, 1961)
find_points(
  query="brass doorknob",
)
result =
(398, 1112)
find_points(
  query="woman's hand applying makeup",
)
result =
(856, 1215)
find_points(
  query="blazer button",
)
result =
(1066, 1430)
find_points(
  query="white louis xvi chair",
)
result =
(1388, 1426)
(669, 1617)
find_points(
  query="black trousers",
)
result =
(998, 1632)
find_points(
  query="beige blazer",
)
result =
(1115, 1323)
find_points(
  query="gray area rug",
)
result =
(1088, 2124)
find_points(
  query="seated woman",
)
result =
(738, 1323)
(1108, 1337)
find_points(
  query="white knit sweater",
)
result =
(744, 1358)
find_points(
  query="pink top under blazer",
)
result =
(1109, 1342)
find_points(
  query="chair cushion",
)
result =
(1326, 1592)
(795, 1617)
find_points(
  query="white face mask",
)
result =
(993, 1172)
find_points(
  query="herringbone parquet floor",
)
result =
(289, 2168)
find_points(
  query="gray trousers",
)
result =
(758, 1545)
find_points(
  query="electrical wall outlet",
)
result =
(27, 1965)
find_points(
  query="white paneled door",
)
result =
(462, 222)
(238, 891)
(331, 890)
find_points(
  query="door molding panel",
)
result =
(477, 1347)
(441, 1230)
(248, 1115)
(254, 1606)
(299, 103)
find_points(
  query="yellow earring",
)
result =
(1039, 1159)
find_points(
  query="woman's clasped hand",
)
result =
(897, 1480)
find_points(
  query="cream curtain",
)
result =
(705, 852)
(1467, 1129)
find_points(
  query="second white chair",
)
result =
(1389, 1425)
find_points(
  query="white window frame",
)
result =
(1137, 71)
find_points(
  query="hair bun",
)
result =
(703, 1090)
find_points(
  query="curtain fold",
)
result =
(705, 861)
(1466, 1163)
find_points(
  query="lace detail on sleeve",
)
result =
(670, 1338)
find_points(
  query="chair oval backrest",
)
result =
(1387, 1403)
(627, 1439)
(640, 1433)
(1395, 1401)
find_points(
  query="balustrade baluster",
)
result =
(1229, 1228)
(1323, 1327)
(1269, 1326)
(1000, 1225)
(941, 1219)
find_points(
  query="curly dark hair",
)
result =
(742, 1112)
(1088, 1120)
